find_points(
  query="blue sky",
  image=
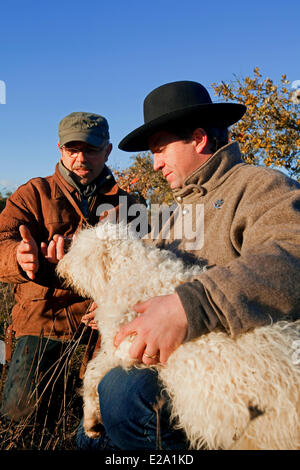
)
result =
(106, 56)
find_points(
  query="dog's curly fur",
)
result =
(241, 393)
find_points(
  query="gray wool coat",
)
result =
(243, 221)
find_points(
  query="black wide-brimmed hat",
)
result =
(184, 101)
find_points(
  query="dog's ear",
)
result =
(85, 265)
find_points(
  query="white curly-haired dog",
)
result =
(226, 393)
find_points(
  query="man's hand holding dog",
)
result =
(89, 318)
(160, 329)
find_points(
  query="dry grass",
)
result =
(6, 304)
(29, 434)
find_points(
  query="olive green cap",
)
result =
(83, 127)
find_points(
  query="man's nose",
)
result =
(81, 156)
(157, 162)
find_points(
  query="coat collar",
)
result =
(212, 173)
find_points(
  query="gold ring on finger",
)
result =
(150, 357)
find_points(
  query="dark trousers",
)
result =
(35, 380)
(135, 412)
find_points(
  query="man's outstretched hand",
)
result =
(55, 250)
(28, 251)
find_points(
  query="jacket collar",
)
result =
(212, 173)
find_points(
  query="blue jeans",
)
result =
(135, 413)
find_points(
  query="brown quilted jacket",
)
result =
(47, 206)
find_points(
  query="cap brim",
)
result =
(88, 138)
(213, 114)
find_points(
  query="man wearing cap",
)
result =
(251, 245)
(34, 226)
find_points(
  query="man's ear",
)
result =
(108, 151)
(200, 139)
(59, 147)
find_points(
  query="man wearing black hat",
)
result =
(34, 226)
(250, 242)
